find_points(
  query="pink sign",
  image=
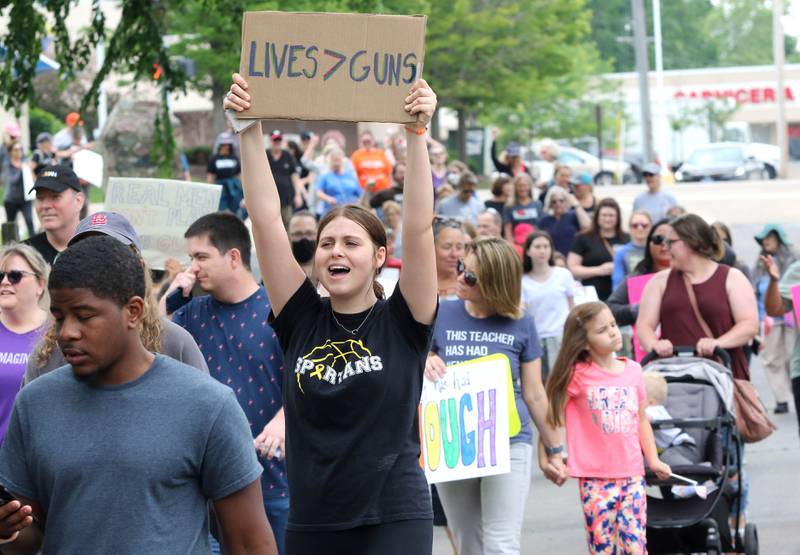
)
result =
(635, 289)
(796, 302)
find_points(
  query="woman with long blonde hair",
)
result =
(485, 514)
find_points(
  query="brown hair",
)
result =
(498, 184)
(594, 231)
(499, 275)
(573, 350)
(527, 263)
(367, 220)
(698, 236)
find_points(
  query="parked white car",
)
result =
(613, 171)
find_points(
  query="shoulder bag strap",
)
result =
(693, 302)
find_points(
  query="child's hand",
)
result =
(662, 469)
(555, 471)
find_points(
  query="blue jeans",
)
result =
(278, 515)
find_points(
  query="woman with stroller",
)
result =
(722, 295)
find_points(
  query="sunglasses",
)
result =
(639, 226)
(14, 276)
(645, 174)
(442, 221)
(470, 278)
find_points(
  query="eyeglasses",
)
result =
(15, 276)
(669, 242)
(639, 226)
(470, 278)
(645, 174)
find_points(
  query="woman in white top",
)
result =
(547, 293)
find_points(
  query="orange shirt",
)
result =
(372, 166)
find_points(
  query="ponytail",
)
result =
(378, 289)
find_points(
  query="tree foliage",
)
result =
(695, 33)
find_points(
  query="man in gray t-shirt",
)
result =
(654, 201)
(121, 450)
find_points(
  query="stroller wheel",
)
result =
(750, 539)
(713, 543)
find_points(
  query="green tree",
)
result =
(486, 54)
(695, 33)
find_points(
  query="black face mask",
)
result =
(303, 250)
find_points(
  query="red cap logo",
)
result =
(99, 219)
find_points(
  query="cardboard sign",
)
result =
(329, 66)
(635, 289)
(160, 210)
(465, 421)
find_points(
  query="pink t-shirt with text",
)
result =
(602, 422)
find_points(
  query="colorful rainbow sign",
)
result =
(465, 421)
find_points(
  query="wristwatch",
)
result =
(550, 451)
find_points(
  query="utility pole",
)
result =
(640, 49)
(662, 126)
(778, 50)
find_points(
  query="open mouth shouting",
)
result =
(338, 271)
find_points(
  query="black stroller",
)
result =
(700, 401)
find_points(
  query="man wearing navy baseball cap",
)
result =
(59, 200)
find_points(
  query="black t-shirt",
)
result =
(41, 244)
(224, 166)
(595, 253)
(352, 434)
(42, 160)
(282, 170)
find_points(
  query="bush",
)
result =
(42, 121)
(199, 155)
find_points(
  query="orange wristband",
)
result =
(417, 130)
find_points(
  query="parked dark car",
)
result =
(722, 162)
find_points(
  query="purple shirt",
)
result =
(15, 348)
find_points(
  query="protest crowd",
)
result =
(215, 408)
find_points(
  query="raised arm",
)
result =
(281, 273)
(418, 277)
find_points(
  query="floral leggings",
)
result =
(616, 515)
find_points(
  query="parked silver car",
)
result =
(723, 162)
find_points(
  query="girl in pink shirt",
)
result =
(600, 399)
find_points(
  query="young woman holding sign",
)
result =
(352, 438)
(485, 514)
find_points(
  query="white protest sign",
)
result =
(160, 210)
(88, 165)
(464, 421)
